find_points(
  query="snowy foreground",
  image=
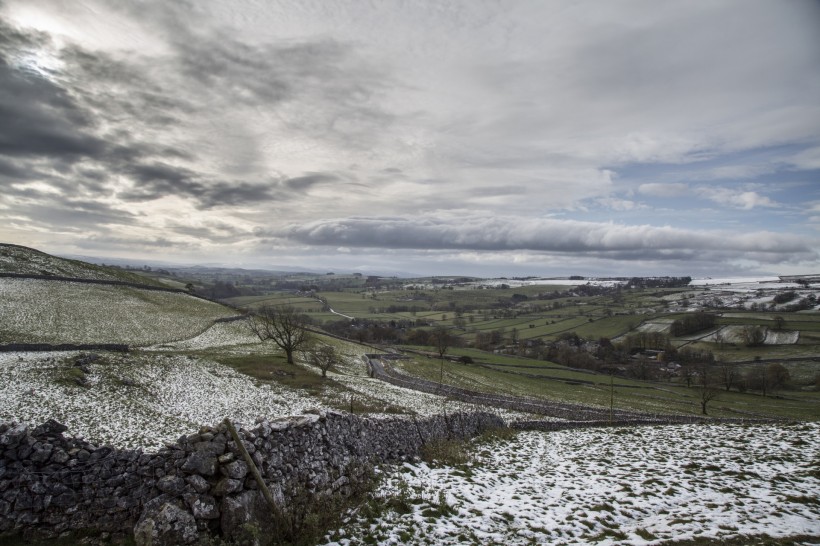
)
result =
(644, 485)
(623, 486)
(146, 398)
(135, 401)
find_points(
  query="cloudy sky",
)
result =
(450, 137)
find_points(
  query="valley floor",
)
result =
(608, 486)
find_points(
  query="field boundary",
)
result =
(94, 281)
(48, 347)
(569, 415)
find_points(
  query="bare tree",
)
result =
(758, 379)
(687, 373)
(441, 339)
(324, 357)
(705, 389)
(777, 376)
(729, 375)
(753, 336)
(282, 325)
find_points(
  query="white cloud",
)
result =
(621, 205)
(806, 159)
(735, 198)
(664, 190)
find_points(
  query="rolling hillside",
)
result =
(58, 311)
(21, 260)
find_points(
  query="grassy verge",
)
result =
(274, 368)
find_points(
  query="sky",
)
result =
(461, 137)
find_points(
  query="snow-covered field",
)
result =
(136, 400)
(37, 311)
(420, 403)
(659, 327)
(27, 261)
(220, 334)
(709, 281)
(781, 338)
(147, 398)
(513, 283)
(620, 486)
(735, 334)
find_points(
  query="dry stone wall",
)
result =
(52, 482)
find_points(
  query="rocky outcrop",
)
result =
(51, 482)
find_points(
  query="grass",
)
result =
(445, 452)
(746, 540)
(40, 311)
(28, 261)
(274, 368)
(531, 378)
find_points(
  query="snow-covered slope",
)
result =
(28, 261)
(40, 311)
(619, 486)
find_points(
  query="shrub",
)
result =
(445, 452)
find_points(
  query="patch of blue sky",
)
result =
(740, 166)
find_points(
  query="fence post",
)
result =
(251, 465)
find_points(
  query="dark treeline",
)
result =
(692, 323)
(659, 282)
(399, 332)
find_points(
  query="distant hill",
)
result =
(71, 302)
(22, 260)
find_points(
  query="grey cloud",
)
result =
(498, 191)
(237, 193)
(102, 242)
(125, 90)
(214, 232)
(60, 214)
(320, 88)
(111, 114)
(308, 181)
(52, 125)
(40, 118)
(12, 169)
(153, 181)
(541, 235)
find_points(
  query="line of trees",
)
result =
(692, 323)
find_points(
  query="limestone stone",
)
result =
(199, 483)
(168, 525)
(200, 462)
(235, 470)
(173, 485)
(226, 486)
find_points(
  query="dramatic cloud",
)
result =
(545, 235)
(492, 135)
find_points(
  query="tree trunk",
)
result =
(703, 407)
(289, 353)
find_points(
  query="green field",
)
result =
(525, 377)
